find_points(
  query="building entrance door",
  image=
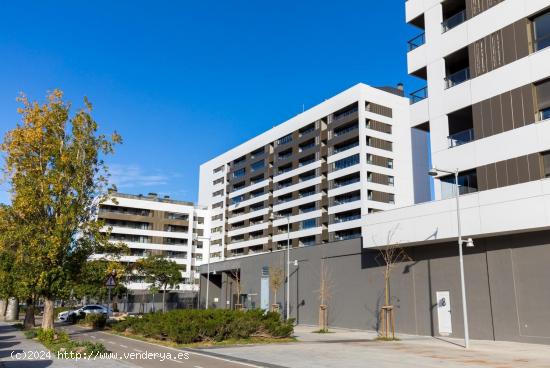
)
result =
(444, 320)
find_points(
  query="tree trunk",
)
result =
(3, 306)
(47, 317)
(323, 320)
(163, 301)
(12, 310)
(29, 315)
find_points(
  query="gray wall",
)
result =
(506, 280)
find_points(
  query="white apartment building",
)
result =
(487, 67)
(151, 225)
(320, 173)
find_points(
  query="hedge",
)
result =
(186, 326)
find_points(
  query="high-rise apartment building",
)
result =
(151, 225)
(319, 173)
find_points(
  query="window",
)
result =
(284, 183)
(345, 112)
(306, 160)
(308, 224)
(543, 99)
(307, 175)
(237, 199)
(283, 155)
(257, 193)
(345, 129)
(217, 193)
(346, 162)
(284, 140)
(541, 31)
(218, 169)
(256, 207)
(256, 179)
(546, 164)
(344, 146)
(217, 205)
(305, 208)
(346, 180)
(306, 192)
(239, 173)
(285, 168)
(467, 183)
(307, 129)
(257, 165)
(284, 198)
(176, 216)
(307, 145)
(218, 181)
(307, 240)
(257, 153)
(239, 161)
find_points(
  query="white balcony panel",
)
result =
(248, 243)
(156, 246)
(379, 152)
(248, 229)
(298, 218)
(346, 153)
(298, 186)
(298, 202)
(345, 225)
(249, 188)
(248, 202)
(420, 112)
(298, 234)
(348, 170)
(380, 169)
(381, 118)
(417, 58)
(345, 207)
(248, 215)
(344, 189)
(381, 187)
(156, 233)
(297, 171)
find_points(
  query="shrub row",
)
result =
(187, 326)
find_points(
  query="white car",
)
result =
(82, 312)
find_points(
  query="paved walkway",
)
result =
(16, 351)
(352, 349)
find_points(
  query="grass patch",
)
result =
(389, 338)
(58, 342)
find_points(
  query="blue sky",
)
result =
(183, 81)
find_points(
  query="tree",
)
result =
(236, 275)
(54, 164)
(325, 294)
(161, 273)
(389, 256)
(276, 280)
(94, 273)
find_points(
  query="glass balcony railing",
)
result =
(417, 41)
(461, 138)
(346, 218)
(453, 21)
(419, 95)
(457, 78)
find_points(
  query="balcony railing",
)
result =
(453, 21)
(419, 95)
(460, 138)
(417, 41)
(457, 78)
(342, 115)
(346, 218)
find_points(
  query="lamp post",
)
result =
(207, 268)
(469, 243)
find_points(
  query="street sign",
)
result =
(111, 283)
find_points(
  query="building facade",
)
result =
(486, 106)
(151, 225)
(318, 174)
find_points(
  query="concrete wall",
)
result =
(506, 282)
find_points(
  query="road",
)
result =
(139, 353)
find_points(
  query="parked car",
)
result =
(82, 312)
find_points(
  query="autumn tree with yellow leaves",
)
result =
(57, 176)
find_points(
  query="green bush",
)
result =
(96, 320)
(187, 326)
(31, 334)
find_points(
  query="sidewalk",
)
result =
(351, 349)
(13, 341)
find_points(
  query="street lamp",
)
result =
(469, 243)
(207, 268)
(273, 217)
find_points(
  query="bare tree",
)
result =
(389, 256)
(276, 280)
(236, 275)
(325, 294)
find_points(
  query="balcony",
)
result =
(453, 21)
(343, 114)
(419, 95)
(461, 138)
(457, 78)
(417, 41)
